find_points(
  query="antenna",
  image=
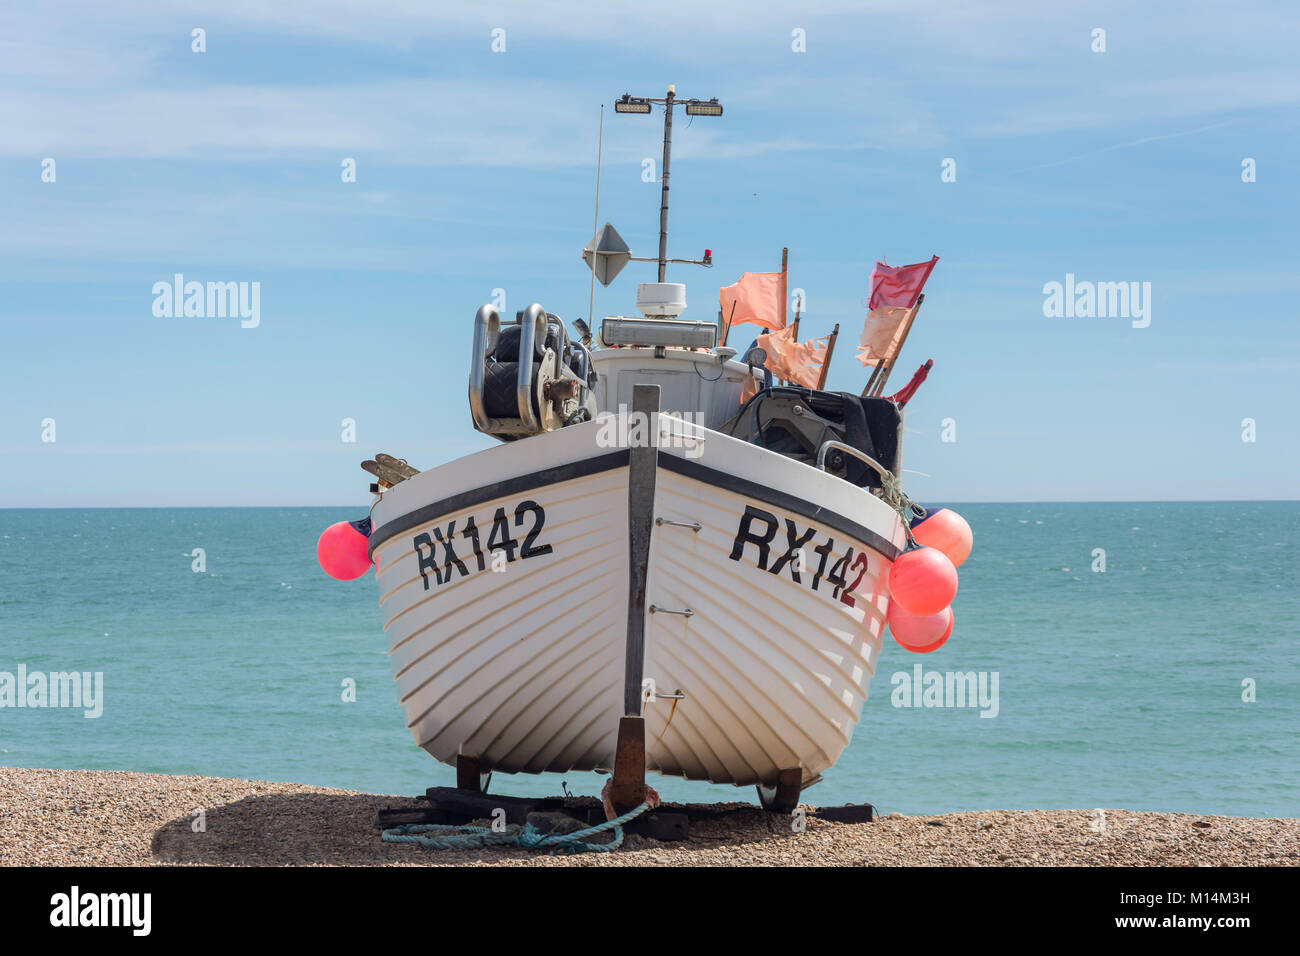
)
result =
(595, 219)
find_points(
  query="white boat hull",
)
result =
(518, 655)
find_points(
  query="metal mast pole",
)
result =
(595, 219)
(663, 207)
(628, 103)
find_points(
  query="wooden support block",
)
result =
(468, 773)
(479, 806)
(783, 797)
(662, 825)
(397, 816)
(850, 813)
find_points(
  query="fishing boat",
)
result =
(651, 571)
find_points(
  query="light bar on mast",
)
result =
(703, 108)
(629, 105)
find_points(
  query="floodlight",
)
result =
(701, 108)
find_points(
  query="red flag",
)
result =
(898, 286)
(894, 291)
(904, 394)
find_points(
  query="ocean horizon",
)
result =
(1123, 654)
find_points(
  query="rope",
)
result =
(468, 837)
(893, 495)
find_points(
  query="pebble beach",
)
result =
(113, 818)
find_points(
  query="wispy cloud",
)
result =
(897, 74)
(1129, 145)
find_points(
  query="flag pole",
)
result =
(875, 372)
(785, 262)
(785, 296)
(907, 327)
(794, 336)
(830, 350)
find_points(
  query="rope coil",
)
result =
(891, 491)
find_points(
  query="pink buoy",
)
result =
(341, 551)
(923, 581)
(948, 532)
(920, 633)
(943, 639)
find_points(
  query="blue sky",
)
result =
(475, 171)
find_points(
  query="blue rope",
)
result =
(468, 837)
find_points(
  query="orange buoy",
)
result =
(920, 633)
(923, 581)
(947, 531)
(341, 551)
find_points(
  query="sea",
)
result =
(1123, 655)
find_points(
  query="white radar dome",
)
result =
(658, 300)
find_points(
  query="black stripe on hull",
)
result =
(498, 489)
(619, 459)
(779, 499)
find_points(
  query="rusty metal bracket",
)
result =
(627, 790)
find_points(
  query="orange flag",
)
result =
(882, 334)
(758, 298)
(793, 361)
(813, 355)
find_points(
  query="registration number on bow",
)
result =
(799, 554)
(450, 551)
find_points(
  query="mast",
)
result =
(663, 205)
(628, 103)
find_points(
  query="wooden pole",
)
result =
(794, 337)
(642, 470)
(871, 382)
(785, 262)
(907, 327)
(785, 297)
(830, 350)
(627, 786)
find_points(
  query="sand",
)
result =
(110, 818)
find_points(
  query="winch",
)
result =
(526, 377)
